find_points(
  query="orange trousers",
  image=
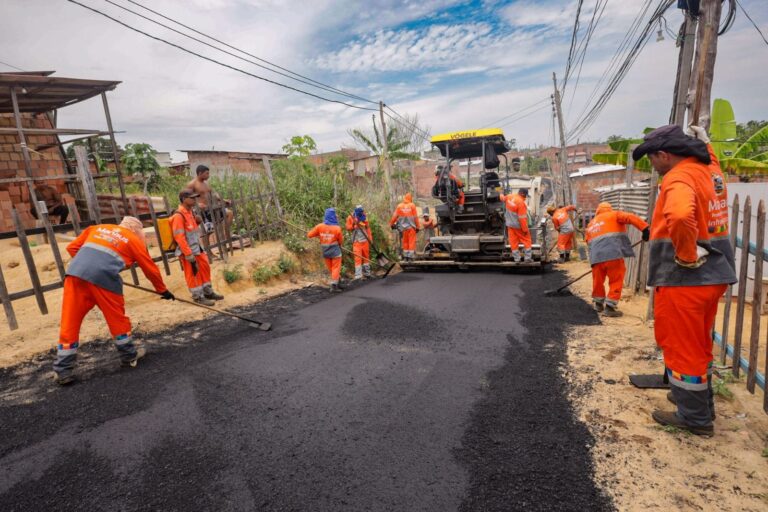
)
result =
(683, 321)
(362, 252)
(516, 237)
(565, 241)
(461, 198)
(79, 298)
(195, 283)
(334, 267)
(614, 270)
(409, 243)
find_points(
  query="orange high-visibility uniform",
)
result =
(93, 279)
(516, 220)
(606, 236)
(361, 247)
(186, 232)
(691, 211)
(407, 221)
(564, 226)
(331, 239)
(460, 186)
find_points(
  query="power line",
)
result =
(424, 135)
(301, 78)
(752, 21)
(582, 53)
(516, 113)
(574, 36)
(524, 116)
(209, 59)
(11, 66)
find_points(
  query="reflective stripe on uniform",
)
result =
(98, 265)
(610, 246)
(512, 219)
(689, 382)
(331, 250)
(718, 269)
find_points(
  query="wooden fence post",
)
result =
(30, 261)
(156, 226)
(757, 298)
(118, 218)
(729, 294)
(6, 300)
(742, 287)
(75, 218)
(42, 210)
(84, 172)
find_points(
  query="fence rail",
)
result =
(257, 216)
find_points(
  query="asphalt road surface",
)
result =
(433, 392)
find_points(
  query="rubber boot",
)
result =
(562, 258)
(612, 311)
(208, 293)
(568, 256)
(358, 273)
(133, 361)
(516, 256)
(528, 256)
(599, 306)
(203, 300)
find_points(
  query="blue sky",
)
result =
(458, 64)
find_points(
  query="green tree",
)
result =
(139, 160)
(300, 146)
(614, 138)
(397, 145)
(748, 129)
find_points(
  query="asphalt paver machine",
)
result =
(475, 235)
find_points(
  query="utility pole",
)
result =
(386, 162)
(566, 188)
(684, 65)
(700, 88)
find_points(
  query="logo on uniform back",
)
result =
(717, 181)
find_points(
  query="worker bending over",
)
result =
(357, 224)
(516, 220)
(406, 221)
(93, 279)
(691, 264)
(608, 243)
(194, 262)
(331, 239)
(564, 226)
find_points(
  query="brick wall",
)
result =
(583, 187)
(45, 163)
(221, 162)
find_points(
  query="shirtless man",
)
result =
(200, 186)
(53, 202)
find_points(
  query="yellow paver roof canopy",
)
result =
(468, 134)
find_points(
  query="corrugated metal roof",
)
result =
(634, 200)
(596, 169)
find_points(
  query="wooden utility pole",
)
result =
(700, 88)
(684, 65)
(566, 184)
(385, 161)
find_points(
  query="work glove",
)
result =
(701, 258)
(393, 226)
(167, 295)
(699, 133)
(193, 264)
(646, 234)
(208, 227)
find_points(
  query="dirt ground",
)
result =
(641, 465)
(39, 333)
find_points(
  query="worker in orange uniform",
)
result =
(564, 226)
(691, 264)
(406, 221)
(358, 225)
(331, 239)
(428, 225)
(456, 185)
(93, 279)
(516, 220)
(194, 262)
(608, 243)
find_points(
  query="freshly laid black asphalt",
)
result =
(432, 392)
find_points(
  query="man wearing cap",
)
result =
(563, 224)
(93, 279)
(691, 264)
(201, 186)
(331, 238)
(516, 220)
(606, 237)
(428, 225)
(357, 225)
(194, 262)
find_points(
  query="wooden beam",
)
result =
(30, 262)
(54, 131)
(24, 149)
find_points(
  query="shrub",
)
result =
(294, 243)
(233, 274)
(285, 264)
(264, 273)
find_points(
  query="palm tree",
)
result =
(396, 145)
